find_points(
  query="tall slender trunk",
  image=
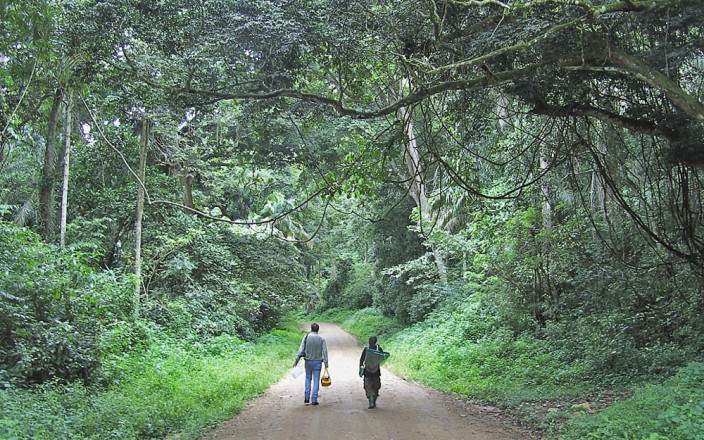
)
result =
(417, 186)
(139, 213)
(66, 158)
(185, 175)
(545, 191)
(596, 193)
(187, 182)
(46, 187)
(464, 265)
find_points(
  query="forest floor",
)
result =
(405, 410)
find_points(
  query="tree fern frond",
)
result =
(26, 214)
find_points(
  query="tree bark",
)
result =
(46, 187)
(686, 102)
(417, 186)
(187, 181)
(139, 213)
(66, 158)
(545, 191)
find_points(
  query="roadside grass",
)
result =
(496, 368)
(169, 390)
(530, 379)
(671, 410)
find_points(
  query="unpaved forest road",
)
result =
(405, 411)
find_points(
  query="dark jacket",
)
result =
(370, 372)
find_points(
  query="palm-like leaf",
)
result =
(26, 214)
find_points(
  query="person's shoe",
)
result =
(306, 401)
(371, 403)
(315, 403)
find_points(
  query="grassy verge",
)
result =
(531, 380)
(671, 410)
(496, 368)
(169, 390)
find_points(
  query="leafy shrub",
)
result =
(172, 388)
(394, 245)
(672, 410)
(358, 293)
(214, 279)
(611, 351)
(333, 294)
(392, 296)
(54, 308)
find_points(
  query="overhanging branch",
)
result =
(410, 99)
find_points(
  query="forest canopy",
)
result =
(192, 171)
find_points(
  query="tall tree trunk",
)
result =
(187, 182)
(46, 187)
(417, 186)
(545, 191)
(597, 201)
(66, 157)
(542, 274)
(185, 175)
(139, 213)
(596, 193)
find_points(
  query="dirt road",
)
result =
(405, 411)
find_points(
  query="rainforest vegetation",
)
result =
(509, 192)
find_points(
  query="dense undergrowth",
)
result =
(76, 362)
(455, 350)
(172, 388)
(672, 410)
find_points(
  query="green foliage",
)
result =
(559, 285)
(672, 410)
(332, 296)
(174, 388)
(395, 244)
(361, 323)
(458, 350)
(359, 292)
(54, 309)
(216, 279)
(352, 287)
(558, 148)
(463, 348)
(62, 316)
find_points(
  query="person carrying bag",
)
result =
(325, 379)
(314, 350)
(370, 368)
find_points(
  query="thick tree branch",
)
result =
(643, 72)
(591, 13)
(545, 33)
(576, 110)
(410, 99)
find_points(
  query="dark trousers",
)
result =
(372, 383)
